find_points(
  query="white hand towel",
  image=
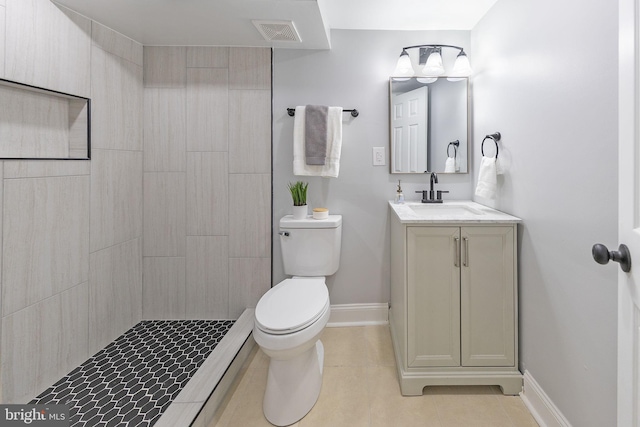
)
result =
(487, 179)
(331, 168)
(450, 165)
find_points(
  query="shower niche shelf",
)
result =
(43, 124)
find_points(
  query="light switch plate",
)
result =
(378, 156)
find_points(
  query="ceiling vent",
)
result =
(277, 31)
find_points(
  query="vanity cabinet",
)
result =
(453, 311)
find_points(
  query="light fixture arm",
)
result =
(433, 45)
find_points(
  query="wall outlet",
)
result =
(378, 156)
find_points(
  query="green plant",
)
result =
(299, 193)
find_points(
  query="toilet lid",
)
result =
(292, 305)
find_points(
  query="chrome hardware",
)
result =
(284, 233)
(456, 260)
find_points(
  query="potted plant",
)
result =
(299, 195)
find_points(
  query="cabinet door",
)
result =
(487, 296)
(433, 296)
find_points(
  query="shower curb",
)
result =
(196, 404)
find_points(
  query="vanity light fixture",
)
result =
(434, 66)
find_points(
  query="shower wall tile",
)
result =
(207, 109)
(46, 238)
(34, 126)
(117, 100)
(43, 342)
(164, 214)
(165, 130)
(116, 197)
(249, 279)
(207, 57)
(164, 288)
(207, 293)
(36, 57)
(165, 66)
(250, 146)
(207, 194)
(115, 292)
(2, 312)
(250, 215)
(113, 42)
(3, 27)
(250, 68)
(39, 169)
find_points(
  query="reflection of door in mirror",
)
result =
(409, 131)
(425, 116)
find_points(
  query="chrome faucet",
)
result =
(431, 196)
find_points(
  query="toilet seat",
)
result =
(292, 305)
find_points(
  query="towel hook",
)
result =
(495, 137)
(455, 144)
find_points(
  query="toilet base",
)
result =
(293, 386)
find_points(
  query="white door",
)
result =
(409, 131)
(629, 216)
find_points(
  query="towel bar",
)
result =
(354, 112)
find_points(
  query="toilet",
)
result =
(290, 317)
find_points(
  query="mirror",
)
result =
(428, 124)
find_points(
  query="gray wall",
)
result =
(546, 77)
(536, 83)
(72, 230)
(353, 74)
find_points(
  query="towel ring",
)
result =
(455, 144)
(495, 137)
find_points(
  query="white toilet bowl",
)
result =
(289, 320)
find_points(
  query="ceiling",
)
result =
(228, 22)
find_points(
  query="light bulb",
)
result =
(434, 67)
(462, 67)
(404, 67)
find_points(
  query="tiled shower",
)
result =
(169, 220)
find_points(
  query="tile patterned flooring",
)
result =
(135, 378)
(360, 389)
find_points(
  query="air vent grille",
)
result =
(283, 31)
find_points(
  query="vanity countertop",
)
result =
(449, 212)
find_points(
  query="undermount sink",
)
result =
(444, 209)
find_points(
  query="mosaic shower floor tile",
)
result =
(134, 379)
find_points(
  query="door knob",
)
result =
(602, 255)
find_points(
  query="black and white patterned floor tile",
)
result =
(135, 378)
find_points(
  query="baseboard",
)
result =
(358, 315)
(545, 412)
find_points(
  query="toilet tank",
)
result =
(311, 247)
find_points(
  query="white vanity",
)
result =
(454, 302)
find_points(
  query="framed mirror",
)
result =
(429, 124)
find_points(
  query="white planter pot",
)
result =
(300, 212)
